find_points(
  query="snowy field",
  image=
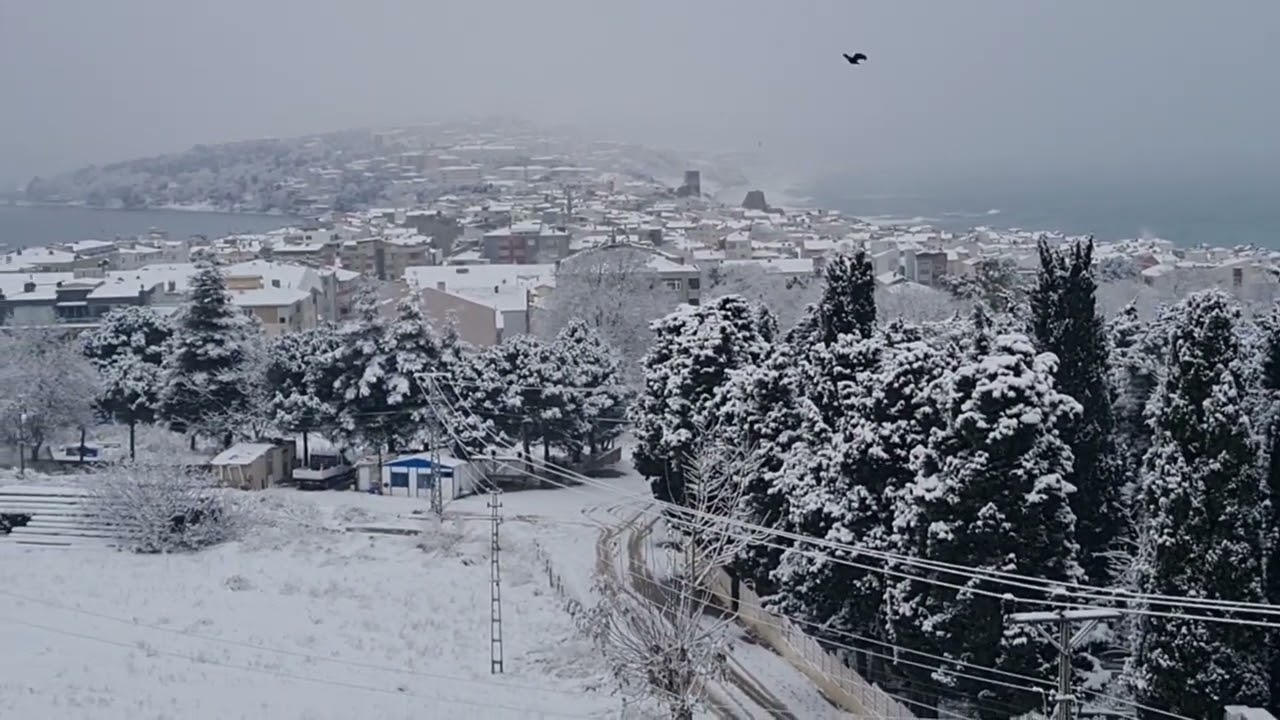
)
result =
(300, 620)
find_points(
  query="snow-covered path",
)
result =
(568, 522)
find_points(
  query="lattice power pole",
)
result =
(437, 494)
(433, 437)
(1065, 642)
(495, 585)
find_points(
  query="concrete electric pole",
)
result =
(1065, 642)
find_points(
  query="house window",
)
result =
(695, 283)
(672, 284)
(1237, 276)
(283, 319)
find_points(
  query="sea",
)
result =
(27, 226)
(1222, 213)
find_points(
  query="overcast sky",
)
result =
(972, 89)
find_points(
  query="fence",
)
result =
(570, 604)
(839, 681)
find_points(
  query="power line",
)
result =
(725, 523)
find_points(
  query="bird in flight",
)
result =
(855, 58)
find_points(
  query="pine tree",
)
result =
(415, 360)
(1205, 512)
(1268, 380)
(848, 304)
(1066, 323)
(208, 369)
(989, 493)
(694, 349)
(300, 378)
(128, 349)
(364, 415)
(591, 363)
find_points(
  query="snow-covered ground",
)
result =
(306, 619)
(299, 620)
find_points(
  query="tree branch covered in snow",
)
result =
(46, 386)
(616, 292)
(661, 633)
(162, 508)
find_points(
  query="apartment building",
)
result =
(485, 302)
(54, 299)
(528, 241)
(387, 257)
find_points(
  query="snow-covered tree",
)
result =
(365, 414)
(128, 349)
(848, 304)
(46, 386)
(300, 376)
(1066, 322)
(847, 490)
(693, 351)
(593, 366)
(208, 371)
(990, 493)
(1138, 356)
(785, 297)
(1205, 514)
(616, 291)
(415, 354)
(763, 407)
(656, 629)
(533, 401)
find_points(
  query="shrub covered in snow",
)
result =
(155, 508)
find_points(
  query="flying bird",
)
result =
(855, 58)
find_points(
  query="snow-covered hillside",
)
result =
(300, 620)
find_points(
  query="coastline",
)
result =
(188, 208)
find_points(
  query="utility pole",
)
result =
(1065, 642)
(437, 494)
(495, 586)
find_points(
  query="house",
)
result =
(254, 466)
(414, 474)
(80, 302)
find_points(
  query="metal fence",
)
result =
(825, 669)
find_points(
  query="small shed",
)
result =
(413, 475)
(253, 466)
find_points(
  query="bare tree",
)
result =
(46, 386)
(661, 629)
(916, 303)
(786, 297)
(162, 508)
(616, 291)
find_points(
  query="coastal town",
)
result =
(486, 319)
(484, 250)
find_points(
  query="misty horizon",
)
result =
(996, 92)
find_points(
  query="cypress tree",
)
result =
(1204, 521)
(848, 304)
(1066, 323)
(989, 493)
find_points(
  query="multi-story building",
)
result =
(485, 303)
(44, 301)
(528, 241)
(386, 258)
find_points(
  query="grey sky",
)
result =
(970, 88)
